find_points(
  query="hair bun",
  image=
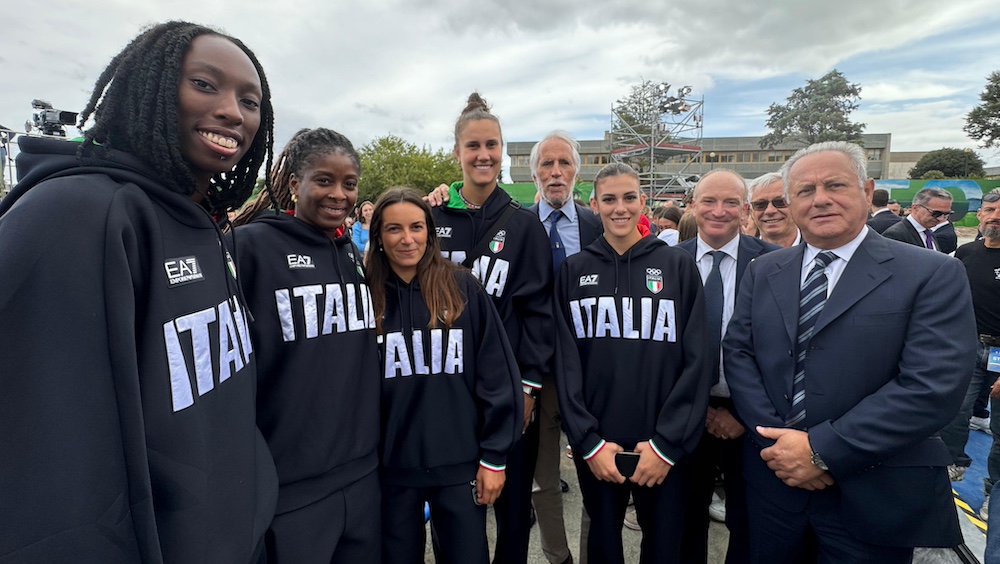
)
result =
(476, 102)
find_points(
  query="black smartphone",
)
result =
(626, 463)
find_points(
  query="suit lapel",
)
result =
(749, 249)
(863, 274)
(784, 284)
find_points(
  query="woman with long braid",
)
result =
(128, 384)
(317, 360)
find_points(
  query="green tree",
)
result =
(983, 122)
(953, 163)
(819, 111)
(392, 161)
(933, 175)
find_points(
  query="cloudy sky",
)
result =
(406, 67)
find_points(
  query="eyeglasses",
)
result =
(937, 214)
(761, 205)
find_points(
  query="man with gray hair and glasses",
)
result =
(930, 207)
(769, 210)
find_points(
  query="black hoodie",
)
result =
(631, 362)
(317, 361)
(127, 378)
(516, 273)
(451, 397)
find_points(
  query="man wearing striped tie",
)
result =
(859, 349)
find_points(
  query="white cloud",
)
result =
(406, 68)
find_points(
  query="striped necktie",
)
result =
(812, 298)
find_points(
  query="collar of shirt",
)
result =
(730, 248)
(545, 210)
(835, 268)
(920, 228)
(798, 238)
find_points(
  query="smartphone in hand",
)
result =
(626, 463)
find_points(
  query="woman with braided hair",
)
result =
(128, 383)
(317, 360)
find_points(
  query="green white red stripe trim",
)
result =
(492, 467)
(595, 450)
(660, 453)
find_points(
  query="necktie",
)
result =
(812, 298)
(929, 239)
(714, 300)
(555, 241)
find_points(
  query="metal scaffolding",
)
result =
(651, 127)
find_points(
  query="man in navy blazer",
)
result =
(719, 203)
(882, 217)
(931, 207)
(554, 163)
(863, 476)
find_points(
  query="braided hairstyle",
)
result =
(135, 110)
(299, 154)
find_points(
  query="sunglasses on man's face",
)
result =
(761, 205)
(937, 214)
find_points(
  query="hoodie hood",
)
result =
(42, 158)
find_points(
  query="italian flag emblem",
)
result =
(496, 245)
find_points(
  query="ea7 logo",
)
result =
(182, 270)
(300, 261)
(444, 232)
(588, 280)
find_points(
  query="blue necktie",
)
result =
(714, 300)
(555, 241)
(812, 298)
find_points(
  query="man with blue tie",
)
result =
(719, 203)
(554, 163)
(845, 356)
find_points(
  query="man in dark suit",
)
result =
(882, 217)
(930, 207)
(719, 202)
(845, 356)
(554, 163)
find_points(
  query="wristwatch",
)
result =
(818, 462)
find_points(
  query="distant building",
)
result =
(742, 154)
(902, 162)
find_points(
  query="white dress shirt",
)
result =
(835, 268)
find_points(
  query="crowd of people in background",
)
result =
(189, 376)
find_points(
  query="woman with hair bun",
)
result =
(508, 251)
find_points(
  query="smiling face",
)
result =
(403, 235)
(825, 200)
(775, 224)
(479, 150)
(719, 204)
(619, 202)
(326, 191)
(555, 174)
(218, 101)
(366, 212)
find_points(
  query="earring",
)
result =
(295, 199)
